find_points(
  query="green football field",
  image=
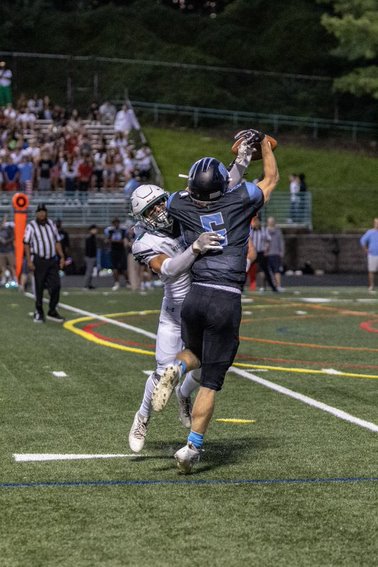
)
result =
(289, 474)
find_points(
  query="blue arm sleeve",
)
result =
(255, 194)
(170, 198)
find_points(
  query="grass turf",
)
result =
(308, 522)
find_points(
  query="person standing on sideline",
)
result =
(7, 261)
(211, 312)
(294, 187)
(42, 246)
(369, 242)
(119, 245)
(90, 256)
(276, 251)
(260, 238)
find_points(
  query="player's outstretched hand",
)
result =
(251, 136)
(207, 241)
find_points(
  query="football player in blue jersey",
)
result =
(211, 312)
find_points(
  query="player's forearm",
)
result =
(271, 175)
(174, 267)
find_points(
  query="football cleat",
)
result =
(164, 388)
(185, 408)
(138, 432)
(186, 457)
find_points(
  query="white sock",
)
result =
(145, 407)
(190, 383)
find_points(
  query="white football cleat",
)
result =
(116, 286)
(138, 432)
(164, 388)
(186, 457)
(185, 408)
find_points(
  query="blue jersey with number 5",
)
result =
(229, 216)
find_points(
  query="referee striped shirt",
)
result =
(260, 238)
(42, 238)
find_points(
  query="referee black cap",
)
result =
(41, 207)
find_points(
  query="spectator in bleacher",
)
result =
(116, 235)
(118, 141)
(85, 145)
(26, 168)
(133, 182)
(71, 141)
(10, 114)
(84, 176)
(93, 114)
(5, 84)
(46, 113)
(109, 172)
(74, 120)
(56, 171)
(119, 168)
(33, 151)
(98, 166)
(125, 120)
(129, 163)
(69, 175)
(107, 112)
(35, 105)
(44, 168)
(11, 174)
(26, 119)
(143, 162)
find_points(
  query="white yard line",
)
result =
(306, 400)
(40, 457)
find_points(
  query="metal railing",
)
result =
(276, 121)
(82, 210)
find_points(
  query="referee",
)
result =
(42, 245)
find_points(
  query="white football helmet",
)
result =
(143, 200)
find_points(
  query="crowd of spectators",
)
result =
(43, 147)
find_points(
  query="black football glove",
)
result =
(252, 137)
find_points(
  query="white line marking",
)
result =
(39, 457)
(331, 371)
(101, 318)
(305, 399)
(59, 374)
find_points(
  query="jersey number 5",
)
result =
(215, 223)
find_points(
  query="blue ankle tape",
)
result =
(196, 439)
(183, 367)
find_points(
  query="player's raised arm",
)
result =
(270, 169)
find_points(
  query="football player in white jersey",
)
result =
(159, 246)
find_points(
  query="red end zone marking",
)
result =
(90, 330)
(368, 326)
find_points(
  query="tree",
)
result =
(354, 23)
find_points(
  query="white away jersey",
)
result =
(148, 245)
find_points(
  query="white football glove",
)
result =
(207, 241)
(245, 152)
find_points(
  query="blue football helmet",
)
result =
(208, 179)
